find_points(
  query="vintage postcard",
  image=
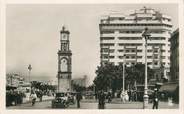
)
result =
(92, 56)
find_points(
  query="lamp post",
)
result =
(146, 36)
(124, 72)
(29, 68)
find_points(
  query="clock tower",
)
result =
(64, 62)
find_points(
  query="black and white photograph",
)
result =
(92, 56)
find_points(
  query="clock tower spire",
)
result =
(64, 62)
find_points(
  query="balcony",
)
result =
(134, 27)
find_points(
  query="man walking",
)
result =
(78, 97)
(101, 103)
(155, 99)
(33, 97)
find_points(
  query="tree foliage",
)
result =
(78, 88)
(110, 76)
(42, 86)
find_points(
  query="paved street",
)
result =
(92, 104)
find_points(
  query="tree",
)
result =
(136, 74)
(110, 76)
(78, 88)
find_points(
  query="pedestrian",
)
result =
(155, 99)
(126, 96)
(96, 96)
(109, 96)
(33, 97)
(135, 95)
(78, 97)
(40, 95)
(101, 103)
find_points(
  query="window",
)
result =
(127, 57)
(149, 57)
(163, 57)
(107, 32)
(105, 56)
(121, 50)
(155, 51)
(133, 57)
(107, 38)
(149, 50)
(139, 57)
(127, 50)
(111, 57)
(139, 50)
(157, 38)
(107, 44)
(129, 38)
(155, 63)
(125, 44)
(149, 63)
(111, 50)
(155, 57)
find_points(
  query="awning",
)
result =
(170, 87)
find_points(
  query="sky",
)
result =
(33, 37)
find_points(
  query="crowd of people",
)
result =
(14, 97)
(125, 96)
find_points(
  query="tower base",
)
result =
(64, 85)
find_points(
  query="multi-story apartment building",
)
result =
(122, 35)
(14, 80)
(174, 56)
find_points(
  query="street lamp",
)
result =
(124, 72)
(29, 68)
(146, 36)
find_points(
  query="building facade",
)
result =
(174, 56)
(122, 35)
(80, 81)
(14, 80)
(64, 62)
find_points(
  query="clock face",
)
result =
(64, 65)
(64, 37)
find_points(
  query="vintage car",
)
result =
(60, 101)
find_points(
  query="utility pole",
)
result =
(146, 36)
(124, 72)
(29, 68)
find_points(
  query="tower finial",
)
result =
(63, 28)
(145, 9)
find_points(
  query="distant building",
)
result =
(174, 70)
(80, 81)
(122, 35)
(14, 80)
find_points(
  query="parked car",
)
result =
(60, 101)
